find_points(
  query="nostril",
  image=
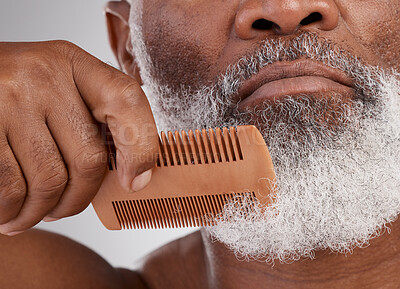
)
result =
(262, 24)
(313, 17)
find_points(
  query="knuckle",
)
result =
(129, 94)
(10, 99)
(50, 182)
(65, 47)
(33, 65)
(73, 56)
(62, 43)
(13, 194)
(42, 67)
(126, 92)
(27, 71)
(50, 187)
(11, 93)
(10, 176)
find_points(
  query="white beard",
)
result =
(336, 189)
(336, 195)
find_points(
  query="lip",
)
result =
(291, 78)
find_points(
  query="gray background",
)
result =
(81, 22)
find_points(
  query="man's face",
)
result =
(193, 42)
(309, 74)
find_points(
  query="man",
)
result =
(319, 80)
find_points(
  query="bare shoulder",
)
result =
(179, 264)
(40, 259)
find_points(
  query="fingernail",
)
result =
(141, 181)
(50, 219)
(14, 233)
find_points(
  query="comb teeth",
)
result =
(191, 211)
(199, 147)
(196, 174)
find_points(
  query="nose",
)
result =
(284, 17)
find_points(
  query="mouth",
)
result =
(292, 78)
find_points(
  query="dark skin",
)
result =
(216, 34)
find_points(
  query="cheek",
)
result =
(387, 45)
(376, 25)
(186, 41)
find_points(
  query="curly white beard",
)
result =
(337, 191)
(338, 180)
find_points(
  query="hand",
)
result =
(53, 99)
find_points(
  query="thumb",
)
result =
(117, 100)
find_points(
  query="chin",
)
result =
(337, 162)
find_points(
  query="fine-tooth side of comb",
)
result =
(196, 174)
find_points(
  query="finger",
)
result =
(78, 138)
(43, 168)
(12, 184)
(117, 100)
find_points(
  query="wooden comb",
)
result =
(195, 175)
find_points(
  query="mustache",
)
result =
(306, 45)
